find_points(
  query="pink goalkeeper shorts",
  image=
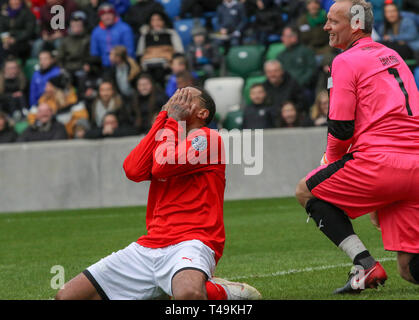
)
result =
(364, 182)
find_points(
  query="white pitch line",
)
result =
(292, 271)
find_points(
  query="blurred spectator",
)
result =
(110, 129)
(320, 109)
(178, 65)
(267, 21)
(61, 96)
(147, 102)
(250, 7)
(75, 46)
(411, 6)
(50, 38)
(47, 70)
(80, 128)
(124, 70)
(311, 25)
(7, 134)
(197, 8)
(289, 116)
(292, 8)
(35, 7)
(280, 86)
(185, 79)
(121, 6)
(110, 32)
(202, 54)
(45, 127)
(297, 59)
(92, 14)
(378, 9)
(89, 80)
(232, 21)
(13, 86)
(259, 114)
(139, 13)
(399, 33)
(81, 3)
(17, 29)
(323, 74)
(108, 100)
(157, 45)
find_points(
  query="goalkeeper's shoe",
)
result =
(237, 290)
(361, 279)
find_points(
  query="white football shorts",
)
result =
(141, 273)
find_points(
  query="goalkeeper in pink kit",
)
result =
(371, 164)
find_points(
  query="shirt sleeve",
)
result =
(139, 162)
(175, 155)
(341, 117)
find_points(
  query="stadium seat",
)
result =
(273, 50)
(411, 62)
(249, 82)
(233, 120)
(245, 61)
(274, 38)
(226, 92)
(30, 66)
(184, 29)
(172, 7)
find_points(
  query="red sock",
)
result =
(215, 291)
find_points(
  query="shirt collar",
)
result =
(359, 41)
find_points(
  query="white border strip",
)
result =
(292, 271)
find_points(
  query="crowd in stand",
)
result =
(115, 63)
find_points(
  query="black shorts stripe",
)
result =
(96, 285)
(327, 172)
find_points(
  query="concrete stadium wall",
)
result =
(89, 174)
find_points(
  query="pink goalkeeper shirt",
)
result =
(374, 102)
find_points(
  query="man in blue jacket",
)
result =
(110, 32)
(48, 69)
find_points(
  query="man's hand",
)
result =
(169, 103)
(181, 107)
(374, 220)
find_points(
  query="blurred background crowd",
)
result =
(115, 63)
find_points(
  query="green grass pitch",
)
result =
(269, 245)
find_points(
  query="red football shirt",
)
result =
(187, 174)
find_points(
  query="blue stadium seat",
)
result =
(184, 29)
(172, 7)
(417, 76)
